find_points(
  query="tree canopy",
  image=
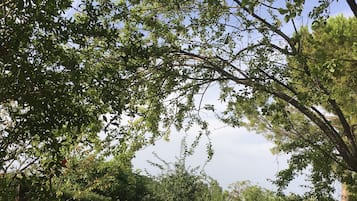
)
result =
(54, 90)
(288, 84)
(135, 69)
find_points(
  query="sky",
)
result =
(239, 154)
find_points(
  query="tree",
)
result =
(91, 177)
(85, 178)
(53, 96)
(337, 57)
(56, 95)
(267, 78)
(244, 190)
(177, 181)
(67, 73)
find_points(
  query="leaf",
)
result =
(105, 118)
(283, 11)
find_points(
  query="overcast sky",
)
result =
(239, 155)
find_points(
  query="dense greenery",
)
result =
(246, 191)
(90, 178)
(177, 181)
(305, 141)
(73, 70)
(47, 100)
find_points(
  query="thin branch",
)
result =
(269, 6)
(205, 79)
(294, 25)
(297, 33)
(213, 66)
(243, 50)
(233, 66)
(29, 164)
(284, 51)
(278, 82)
(269, 25)
(202, 96)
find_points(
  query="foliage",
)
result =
(187, 184)
(25, 187)
(246, 191)
(56, 93)
(8, 188)
(69, 71)
(41, 84)
(85, 178)
(331, 70)
(89, 177)
(269, 79)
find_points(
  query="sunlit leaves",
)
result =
(136, 69)
(45, 78)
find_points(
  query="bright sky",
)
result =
(239, 154)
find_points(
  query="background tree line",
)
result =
(88, 178)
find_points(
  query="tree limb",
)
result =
(353, 6)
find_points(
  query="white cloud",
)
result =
(239, 155)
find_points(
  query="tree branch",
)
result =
(335, 137)
(331, 133)
(353, 6)
(269, 25)
(317, 147)
(278, 82)
(346, 127)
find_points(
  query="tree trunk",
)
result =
(20, 193)
(17, 197)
